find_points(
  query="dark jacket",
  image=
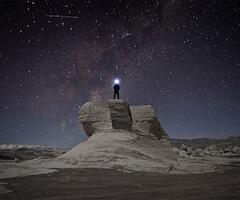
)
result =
(116, 87)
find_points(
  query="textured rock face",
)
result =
(145, 120)
(95, 117)
(120, 114)
(116, 114)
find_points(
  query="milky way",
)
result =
(180, 56)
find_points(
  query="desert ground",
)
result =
(114, 184)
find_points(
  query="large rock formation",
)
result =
(117, 114)
(122, 137)
(127, 138)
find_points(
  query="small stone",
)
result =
(227, 149)
(236, 149)
(183, 147)
(198, 152)
(176, 150)
(183, 153)
(212, 147)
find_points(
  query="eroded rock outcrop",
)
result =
(117, 114)
(95, 116)
(128, 138)
(120, 136)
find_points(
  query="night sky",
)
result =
(180, 56)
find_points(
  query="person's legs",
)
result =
(114, 95)
(118, 94)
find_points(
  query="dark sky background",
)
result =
(180, 56)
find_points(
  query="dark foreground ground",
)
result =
(112, 184)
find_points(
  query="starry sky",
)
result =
(180, 56)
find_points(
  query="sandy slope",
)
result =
(123, 149)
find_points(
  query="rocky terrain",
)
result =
(100, 183)
(205, 142)
(18, 153)
(210, 147)
(127, 152)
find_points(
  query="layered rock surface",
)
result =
(145, 121)
(95, 117)
(120, 114)
(116, 114)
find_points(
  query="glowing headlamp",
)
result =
(116, 81)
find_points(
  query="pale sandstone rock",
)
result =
(145, 121)
(116, 115)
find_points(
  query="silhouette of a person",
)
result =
(116, 88)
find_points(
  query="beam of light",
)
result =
(116, 81)
(62, 16)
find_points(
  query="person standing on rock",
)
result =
(116, 88)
